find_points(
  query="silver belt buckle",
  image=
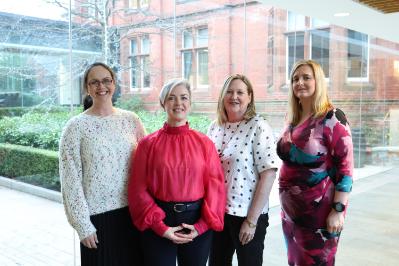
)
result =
(178, 204)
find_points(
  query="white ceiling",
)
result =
(361, 18)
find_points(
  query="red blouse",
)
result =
(176, 164)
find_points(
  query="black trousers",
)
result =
(118, 241)
(159, 251)
(225, 243)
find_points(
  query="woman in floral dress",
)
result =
(316, 175)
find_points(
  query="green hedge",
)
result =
(19, 111)
(39, 130)
(43, 130)
(26, 163)
(12, 111)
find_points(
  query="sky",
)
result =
(33, 8)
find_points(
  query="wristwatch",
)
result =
(338, 206)
(250, 224)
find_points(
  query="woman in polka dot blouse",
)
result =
(247, 151)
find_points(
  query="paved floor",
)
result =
(34, 231)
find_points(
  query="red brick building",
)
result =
(206, 41)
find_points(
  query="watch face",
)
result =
(338, 206)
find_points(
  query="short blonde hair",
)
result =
(221, 110)
(321, 103)
(170, 85)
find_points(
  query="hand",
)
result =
(191, 231)
(91, 241)
(335, 222)
(246, 233)
(177, 238)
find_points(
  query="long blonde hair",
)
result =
(221, 110)
(320, 104)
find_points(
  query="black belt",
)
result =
(180, 206)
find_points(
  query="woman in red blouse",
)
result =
(176, 190)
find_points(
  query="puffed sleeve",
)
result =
(264, 147)
(70, 168)
(214, 204)
(339, 142)
(143, 209)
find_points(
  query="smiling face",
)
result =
(303, 83)
(177, 105)
(100, 84)
(236, 100)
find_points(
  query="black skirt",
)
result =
(118, 241)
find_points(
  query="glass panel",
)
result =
(133, 47)
(145, 45)
(135, 73)
(187, 65)
(295, 21)
(133, 4)
(202, 67)
(321, 49)
(357, 54)
(187, 39)
(146, 72)
(296, 48)
(202, 37)
(144, 3)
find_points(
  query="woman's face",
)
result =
(177, 105)
(100, 84)
(236, 100)
(303, 82)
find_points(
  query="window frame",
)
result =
(194, 50)
(358, 79)
(140, 57)
(138, 4)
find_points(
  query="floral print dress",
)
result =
(317, 161)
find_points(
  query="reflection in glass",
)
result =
(357, 54)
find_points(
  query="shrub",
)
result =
(35, 129)
(42, 128)
(19, 111)
(26, 163)
(133, 103)
(12, 111)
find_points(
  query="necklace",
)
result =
(225, 143)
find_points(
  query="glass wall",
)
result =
(43, 55)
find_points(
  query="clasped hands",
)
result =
(181, 234)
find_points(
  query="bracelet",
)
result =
(250, 224)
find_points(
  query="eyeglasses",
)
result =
(96, 83)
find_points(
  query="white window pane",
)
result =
(145, 45)
(187, 65)
(133, 4)
(144, 3)
(187, 40)
(135, 72)
(202, 67)
(202, 37)
(295, 49)
(133, 47)
(295, 21)
(146, 71)
(357, 54)
(320, 49)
